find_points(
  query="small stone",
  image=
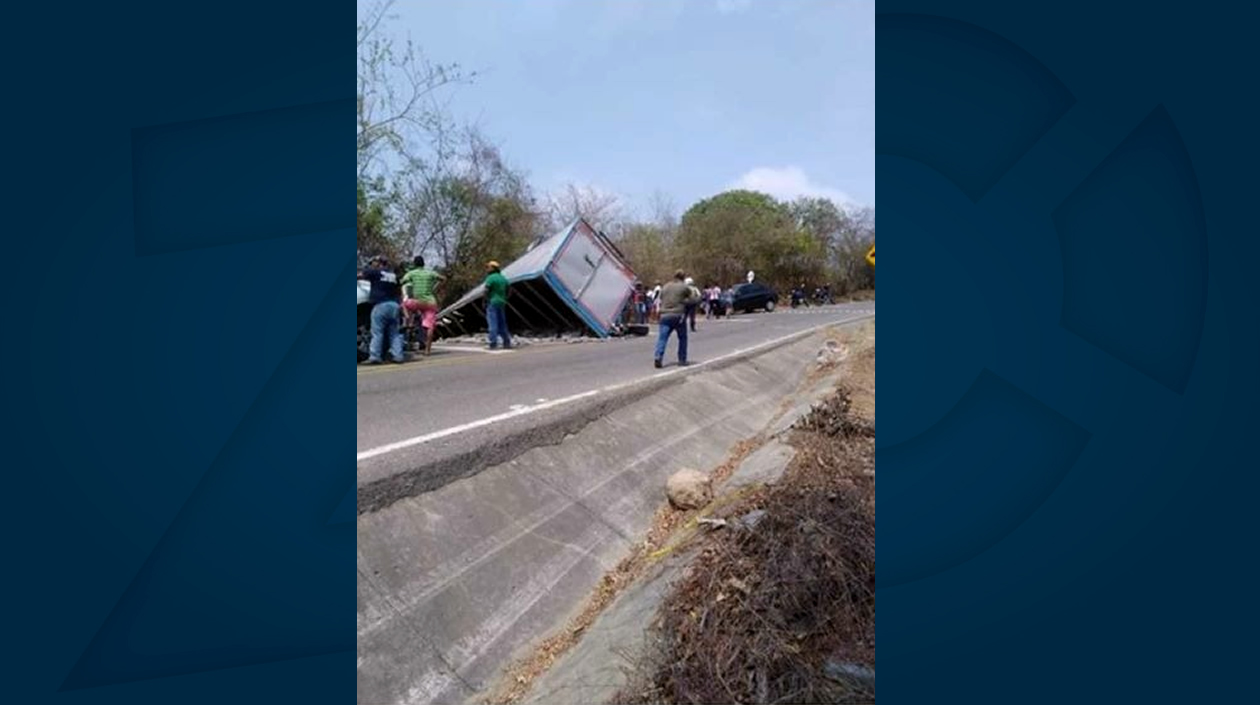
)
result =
(688, 489)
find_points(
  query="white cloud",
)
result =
(787, 183)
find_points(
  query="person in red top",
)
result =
(640, 303)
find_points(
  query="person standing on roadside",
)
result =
(383, 297)
(496, 306)
(640, 304)
(674, 299)
(693, 295)
(419, 288)
(654, 302)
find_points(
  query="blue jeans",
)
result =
(496, 319)
(670, 323)
(641, 310)
(385, 325)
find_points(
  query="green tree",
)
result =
(503, 229)
(818, 216)
(721, 238)
(375, 224)
(845, 235)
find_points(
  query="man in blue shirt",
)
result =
(384, 297)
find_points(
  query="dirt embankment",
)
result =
(783, 611)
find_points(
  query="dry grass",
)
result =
(763, 610)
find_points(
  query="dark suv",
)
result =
(751, 296)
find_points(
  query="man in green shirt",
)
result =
(419, 288)
(496, 306)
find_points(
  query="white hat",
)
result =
(689, 281)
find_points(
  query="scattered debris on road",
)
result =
(522, 341)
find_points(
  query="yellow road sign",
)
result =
(870, 256)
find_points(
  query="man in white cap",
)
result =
(690, 314)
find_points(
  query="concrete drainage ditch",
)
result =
(458, 582)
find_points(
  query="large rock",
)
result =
(688, 489)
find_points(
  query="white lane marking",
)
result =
(523, 410)
(769, 343)
(470, 348)
(391, 447)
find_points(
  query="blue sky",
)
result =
(686, 97)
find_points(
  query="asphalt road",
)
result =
(460, 388)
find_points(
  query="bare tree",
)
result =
(605, 211)
(855, 236)
(404, 134)
(663, 210)
(448, 201)
(397, 88)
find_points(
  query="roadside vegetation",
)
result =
(783, 612)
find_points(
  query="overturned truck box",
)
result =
(574, 280)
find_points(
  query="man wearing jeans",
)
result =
(384, 299)
(496, 306)
(675, 297)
